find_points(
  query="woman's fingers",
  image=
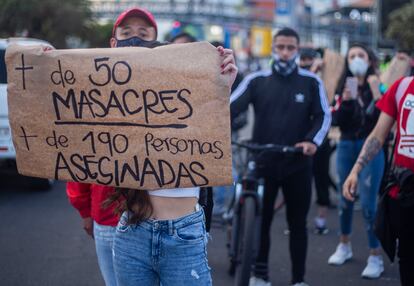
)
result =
(228, 64)
(224, 51)
(227, 56)
(346, 95)
(227, 60)
(229, 68)
(227, 52)
(47, 48)
(349, 188)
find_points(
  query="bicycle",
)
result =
(247, 209)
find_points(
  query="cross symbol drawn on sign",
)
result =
(23, 68)
(25, 136)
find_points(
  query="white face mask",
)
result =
(358, 66)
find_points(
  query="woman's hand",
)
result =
(47, 48)
(317, 65)
(88, 226)
(374, 85)
(373, 79)
(346, 95)
(350, 186)
(228, 64)
(403, 56)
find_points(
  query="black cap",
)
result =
(308, 53)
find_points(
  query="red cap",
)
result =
(137, 12)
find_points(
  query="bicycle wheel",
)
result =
(245, 245)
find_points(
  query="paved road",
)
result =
(42, 243)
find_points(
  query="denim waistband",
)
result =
(169, 225)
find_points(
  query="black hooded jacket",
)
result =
(357, 117)
(288, 110)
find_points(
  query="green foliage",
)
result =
(98, 35)
(387, 6)
(50, 20)
(400, 28)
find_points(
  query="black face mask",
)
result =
(306, 67)
(135, 42)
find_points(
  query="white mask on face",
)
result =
(358, 66)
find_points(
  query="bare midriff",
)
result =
(167, 208)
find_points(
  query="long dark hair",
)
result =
(347, 73)
(136, 202)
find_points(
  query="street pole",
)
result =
(375, 24)
(379, 21)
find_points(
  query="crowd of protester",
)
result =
(291, 108)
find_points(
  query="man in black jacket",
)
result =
(290, 109)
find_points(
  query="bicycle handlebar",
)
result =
(269, 147)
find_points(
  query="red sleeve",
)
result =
(79, 195)
(387, 102)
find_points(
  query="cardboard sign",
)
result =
(130, 117)
(333, 65)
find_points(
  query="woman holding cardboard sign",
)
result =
(161, 235)
(356, 115)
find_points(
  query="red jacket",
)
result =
(88, 199)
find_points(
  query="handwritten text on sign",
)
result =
(131, 117)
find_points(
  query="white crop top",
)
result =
(177, 193)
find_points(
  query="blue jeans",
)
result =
(369, 182)
(170, 252)
(104, 236)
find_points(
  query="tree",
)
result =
(387, 6)
(400, 27)
(50, 20)
(99, 34)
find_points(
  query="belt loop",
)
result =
(197, 207)
(170, 227)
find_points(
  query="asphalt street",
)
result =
(42, 243)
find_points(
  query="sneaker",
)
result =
(320, 226)
(255, 281)
(300, 284)
(374, 268)
(343, 253)
(321, 230)
(228, 215)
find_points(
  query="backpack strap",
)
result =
(402, 88)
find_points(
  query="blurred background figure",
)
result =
(183, 38)
(311, 59)
(356, 116)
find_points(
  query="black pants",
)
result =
(297, 194)
(321, 174)
(406, 246)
